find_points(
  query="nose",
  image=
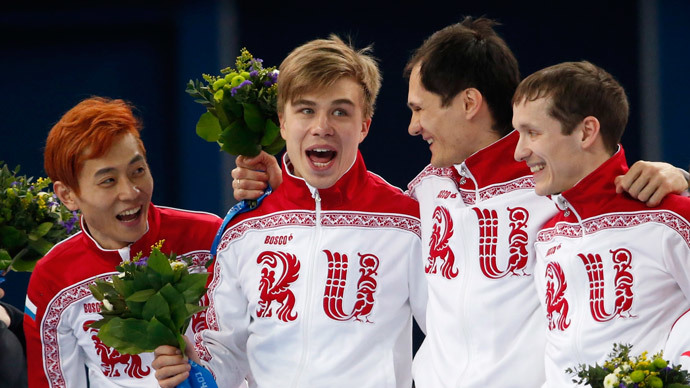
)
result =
(322, 125)
(128, 190)
(414, 128)
(521, 150)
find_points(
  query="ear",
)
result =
(66, 194)
(365, 129)
(472, 101)
(590, 132)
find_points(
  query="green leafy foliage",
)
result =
(621, 370)
(149, 303)
(32, 220)
(241, 106)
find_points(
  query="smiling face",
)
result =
(445, 129)
(114, 194)
(556, 160)
(322, 131)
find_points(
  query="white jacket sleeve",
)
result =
(223, 343)
(418, 285)
(677, 260)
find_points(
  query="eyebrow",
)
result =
(107, 170)
(341, 101)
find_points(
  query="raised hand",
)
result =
(250, 177)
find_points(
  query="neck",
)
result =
(591, 161)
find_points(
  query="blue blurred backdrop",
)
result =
(54, 56)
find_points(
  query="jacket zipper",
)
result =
(306, 326)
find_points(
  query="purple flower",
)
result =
(69, 224)
(256, 63)
(234, 90)
(15, 183)
(142, 261)
(253, 73)
(52, 201)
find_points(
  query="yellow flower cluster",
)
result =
(635, 370)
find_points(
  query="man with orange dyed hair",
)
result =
(97, 161)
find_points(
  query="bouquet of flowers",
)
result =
(621, 370)
(241, 107)
(149, 303)
(32, 220)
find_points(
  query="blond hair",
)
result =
(320, 63)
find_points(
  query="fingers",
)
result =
(248, 179)
(259, 162)
(624, 182)
(656, 198)
(166, 350)
(247, 189)
(171, 367)
(171, 377)
(252, 176)
(650, 182)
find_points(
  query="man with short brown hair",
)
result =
(609, 269)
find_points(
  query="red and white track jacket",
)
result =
(316, 288)
(59, 304)
(479, 222)
(610, 270)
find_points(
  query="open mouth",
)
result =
(321, 157)
(129, 215)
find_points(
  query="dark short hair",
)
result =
(578, 90)
(465, 55)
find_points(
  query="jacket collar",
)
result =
(595, 191)
(495, 163)
(345, 190)
(142, 245)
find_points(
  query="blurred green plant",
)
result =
(32, 220)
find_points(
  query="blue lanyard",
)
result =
(239, 208)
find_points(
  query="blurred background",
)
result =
(53, 56)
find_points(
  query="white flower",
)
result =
(107, 305)
(625, 367)
(627, 380)
(617, 371)
(178, 265)
(611, 380)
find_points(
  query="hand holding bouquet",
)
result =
(149, 303)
